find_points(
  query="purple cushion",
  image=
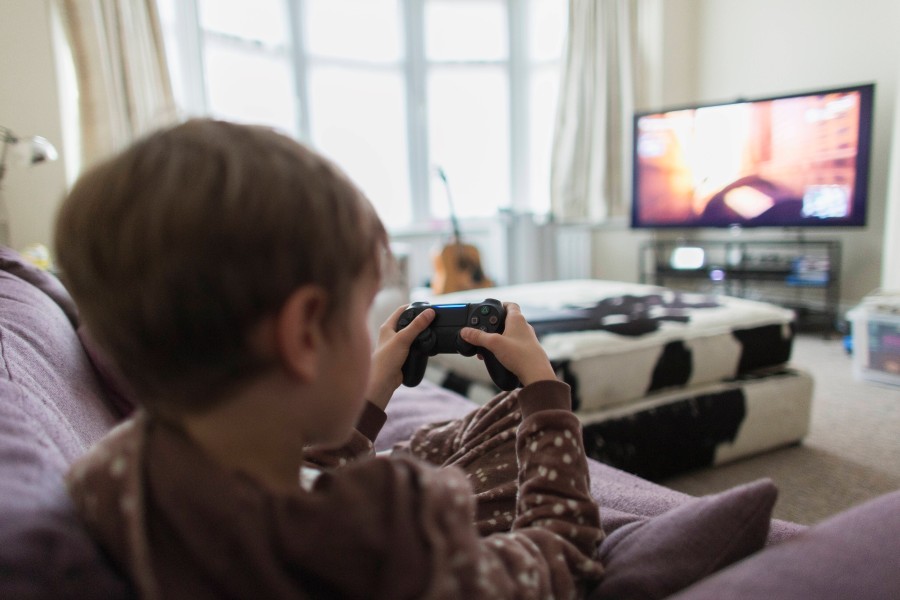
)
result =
(41, 353)
(52, 409)
(44, 551)
(658, 556)
(855, 554)
(625, 498)
(14, 263)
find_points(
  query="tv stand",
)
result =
(803, 275)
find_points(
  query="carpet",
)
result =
(852, 452)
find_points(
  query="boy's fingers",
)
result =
(513, 312)
(511, 307)
(476, 337)
(417, 326)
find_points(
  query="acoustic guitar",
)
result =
(457, 266)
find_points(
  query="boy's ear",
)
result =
(300, 331)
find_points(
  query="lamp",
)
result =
(17, 150)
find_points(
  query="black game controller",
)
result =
(442, 337)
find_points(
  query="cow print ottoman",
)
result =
(663, 380)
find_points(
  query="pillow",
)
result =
(661, 555)
(854, 554)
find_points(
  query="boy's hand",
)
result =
(517, 348)
(391, 350)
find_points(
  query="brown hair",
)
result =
(178, 246)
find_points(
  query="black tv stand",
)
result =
(802, 274)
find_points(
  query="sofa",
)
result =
(57, 398)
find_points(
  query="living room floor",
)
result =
(850, 454)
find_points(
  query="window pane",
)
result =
(547, 26)
(468, 130)
(260, 20)
(255, 87)
(543, 95)
(358, 119)
(466, 30)
(354, 29)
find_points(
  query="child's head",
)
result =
(178, 247)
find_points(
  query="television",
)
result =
(798, 160)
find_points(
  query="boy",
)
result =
(229, 272)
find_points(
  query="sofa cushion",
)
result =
(44, 550)
(41, 354)
(52, 409)
(656, 557)
(855, 554)
(47, 553)
(14, 263)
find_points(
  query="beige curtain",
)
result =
(606, 56)
(124, 89)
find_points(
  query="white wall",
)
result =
(773, 46)
(29, 105)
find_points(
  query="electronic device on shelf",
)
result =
(442, 337)
(798, 160)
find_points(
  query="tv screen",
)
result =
(791, 161)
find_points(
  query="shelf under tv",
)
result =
(802, 275)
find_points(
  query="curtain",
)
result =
(607, 64)
(124, 88)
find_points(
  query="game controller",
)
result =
(442, 337)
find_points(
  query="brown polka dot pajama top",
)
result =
(494, 505)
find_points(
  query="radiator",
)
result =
(515, 249)
(573, 252)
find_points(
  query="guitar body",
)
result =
(458, 267)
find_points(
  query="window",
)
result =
(389, 89)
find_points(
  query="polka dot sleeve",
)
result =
(551, 549)
(554, 485)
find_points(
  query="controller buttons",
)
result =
(484, 310)
(494, 319)
(475, 320)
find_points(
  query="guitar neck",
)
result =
(454, 222)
